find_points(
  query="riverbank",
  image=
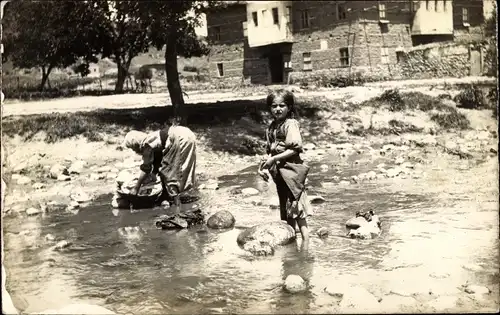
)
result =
(427, 139)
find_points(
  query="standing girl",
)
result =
(170, 153)
(284, 145)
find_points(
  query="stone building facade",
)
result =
(267, 42)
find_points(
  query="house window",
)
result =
(220, 69)
(276, 19)
(255, 19)
(381, 11)
(305, 18)
(289, 13)
(217, 32)
(306, 61)
(384, 53)
(465, 15)
(344, 57)
(341, 11)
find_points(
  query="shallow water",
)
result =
(120, 260)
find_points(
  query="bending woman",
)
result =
(170, 153)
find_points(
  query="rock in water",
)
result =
(355, 223)
(322, 232)
(294, 284)
(368, 230)
(271, 234)
(221, 220)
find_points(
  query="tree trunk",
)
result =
(173, 83)
(45, 76)
(122, 75)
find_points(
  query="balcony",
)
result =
(269, 22)
(433, 18)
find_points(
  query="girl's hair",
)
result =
(287, 97)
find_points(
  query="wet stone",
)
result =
(50, 238)
(294, 284)
(316, 199)
(62, 245)
(221, 220)
(322, 232)
(344, 183)
(63, 178)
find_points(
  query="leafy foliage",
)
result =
(49, 34)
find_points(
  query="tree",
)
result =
(49, 34)
(124, 35)
(171, 24)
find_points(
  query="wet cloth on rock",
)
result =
(289, 175)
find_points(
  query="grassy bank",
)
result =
(238, 126)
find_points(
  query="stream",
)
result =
(118, 258)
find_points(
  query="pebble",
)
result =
(322, 232)
(316, 199)
(77, 167)
(62, 244)
(63, 178)
(324, 167)
(249, 191)
(23, 180)
(38, 186)
(33, 211)
(57, 170)
(97, 176)
(80, 196)
(477, 289)
(294, 284)
(50, 237)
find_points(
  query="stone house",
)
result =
(264, 42)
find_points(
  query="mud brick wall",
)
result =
(435, 61)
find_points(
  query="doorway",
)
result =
(276, 67)
(476, 62)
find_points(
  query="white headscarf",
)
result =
(134, 140)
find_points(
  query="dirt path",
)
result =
(89, 103)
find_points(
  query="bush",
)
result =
(472, 98)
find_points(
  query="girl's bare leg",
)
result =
(304, 231)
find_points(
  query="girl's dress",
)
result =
(289, 175)
(171, 153)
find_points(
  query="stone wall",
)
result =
(435, 61)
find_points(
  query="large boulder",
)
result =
(221, 220)
(261, 238)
